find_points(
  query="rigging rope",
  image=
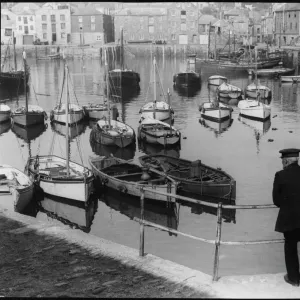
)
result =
(160, 83)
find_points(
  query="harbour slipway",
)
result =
(257, 286)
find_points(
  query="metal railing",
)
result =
(218, 242)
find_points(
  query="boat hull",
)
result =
(72, 118)
(133, 188)
(4, 116)
(187, 79)
(28, 118)
(168, 139)
(22, 197)
(216, 81)
(100, 113)
(217, 115)
(13, 79)
(264, 94)
(293, 79)
(253, 111)
(124, 78)
(78, 189)
(160, 115)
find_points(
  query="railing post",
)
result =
(217, 242)
(142, 226)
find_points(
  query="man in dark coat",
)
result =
(286, 195)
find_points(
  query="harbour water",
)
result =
(247, 150)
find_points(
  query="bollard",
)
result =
(142, 226)
(217, 242)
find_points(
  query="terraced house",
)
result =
(286, 21)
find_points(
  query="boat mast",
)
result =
(154, 85)
(67, 120)
(107, 88)
(122, 50)
(15, 57)
(257, 97)
(229, 44)
(25, 79)
(208, 44)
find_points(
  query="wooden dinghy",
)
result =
(216, 80)
(15, 187)
(188, 78)
(252, 90)
(193, 177)
(129, 178)
(227, 90)
(157, 132)
(216, 112)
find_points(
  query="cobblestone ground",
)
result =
(43, 266)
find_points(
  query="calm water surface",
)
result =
(240, 147)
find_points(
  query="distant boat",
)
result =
(5, 126)
(193, 176)
(16, 187)
(217, 112)
(157, 132)
(5, 113)
(293, 79)
(274, 72)
(252, 90)
(159, 110)
(123, 77)
(129, 178)
(28, 115)
(100, 111)
(217, 80)
(50, 57)
(227, 90)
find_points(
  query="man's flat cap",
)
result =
(289, 152)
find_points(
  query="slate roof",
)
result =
(206, 19)
(86, 11)
(289, 6)
(142, 11)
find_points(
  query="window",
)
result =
(295, 15)
(62, 35)
(141, 36)
(99, 38)
(31, 27)
(62, 17)
(173, 12)
(201, 28)
(52, 18)
(63, 7)
(183, 26)
(44, 36)
(8, 32)
(173, 37)
(20, 27)
(62, 25)
(44, 18)
(151, 29)
(31, 18)
(92, 19)
(44, 26)
(19, 18)
(183, 14)
(151, 20)
(53, 26)
(93, 26)
(257, 30)
(26, 30)
(131, 37)
(25, 20)
(80, 19)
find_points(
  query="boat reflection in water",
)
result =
(74, 130)
(189, 91)
(28, 134)
(260, 128)
(76, 214)
(160, 213)
(216, 127)
(103, 150)
(5, 126)
(149, 149)
(228, 215)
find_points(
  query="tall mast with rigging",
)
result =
(67, 120)
(25, 80)
(15, 57)
(107, 88)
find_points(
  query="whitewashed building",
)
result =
(25, 27)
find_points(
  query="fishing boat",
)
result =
(123, 77)
(15, 187)
(129, 178)
(50, 57)
(254, 109)
(73, 213)
(157, 132)
(112, 132)
(273, 72)
(5, 113)
(252, 90)
(227, 90)
(293, 79)
(12, 78)
(216, 80)
(215, 111)
(59, 176)
(193, 176)
(159, 110)
(100, 111)
(28, 115)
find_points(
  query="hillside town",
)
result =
(172, 23)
